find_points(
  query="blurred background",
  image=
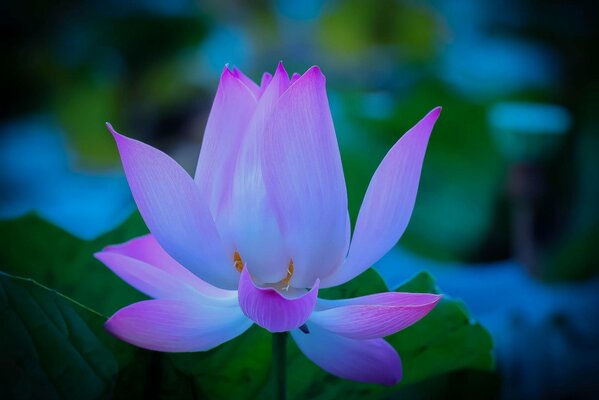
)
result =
(507, 216)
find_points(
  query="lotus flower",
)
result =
(262, 227)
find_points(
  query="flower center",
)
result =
(285, 281)
(238, 261)
(282, 284)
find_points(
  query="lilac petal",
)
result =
(256, 232)
(176, 325)
(174, 211)
(374, 316)
(369, 361)
(270, 309)
(295, 77)
(134, 259)
(150, 280)
(266, 79)
(254, 88)
(228, 122)
(388, 202)
(281, 79)
(304, 178)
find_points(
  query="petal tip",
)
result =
(281, 69)
(117, 136)
(227, 73)
(109, 325)
(433, 114)
(393, 379)
(110, 128)
(315, 71)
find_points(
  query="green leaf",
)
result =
(57, 259)
(50, 346)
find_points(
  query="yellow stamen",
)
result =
(238, 261)
(285, 281)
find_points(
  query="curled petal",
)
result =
(374, 316)
(175, 212)
(388, 203)
(304, 178)
(369, 361)
(177, 326)
(143, 264)
(271, 310)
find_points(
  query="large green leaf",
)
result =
(57, 259)
(49, 346)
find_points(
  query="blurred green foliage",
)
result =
(66, 263)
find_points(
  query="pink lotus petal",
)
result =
(228, 122)
(150, 280)
(177, 326)
(266, 78)
(270, 309)
(388, 203)
(374, 316)
(295, 77)
(304, 178)
(175, 212)
(134, 259)
(256, 232)
(369, 361)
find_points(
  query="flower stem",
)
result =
(279, 345)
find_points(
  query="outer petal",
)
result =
(270, 309)
(370, 361)
(304, 178)
(174, 211)
(256, 232)
(388, 202)
(142, 262)
(228, 122)
(374, 316)
(147, 279)
(177, 326)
